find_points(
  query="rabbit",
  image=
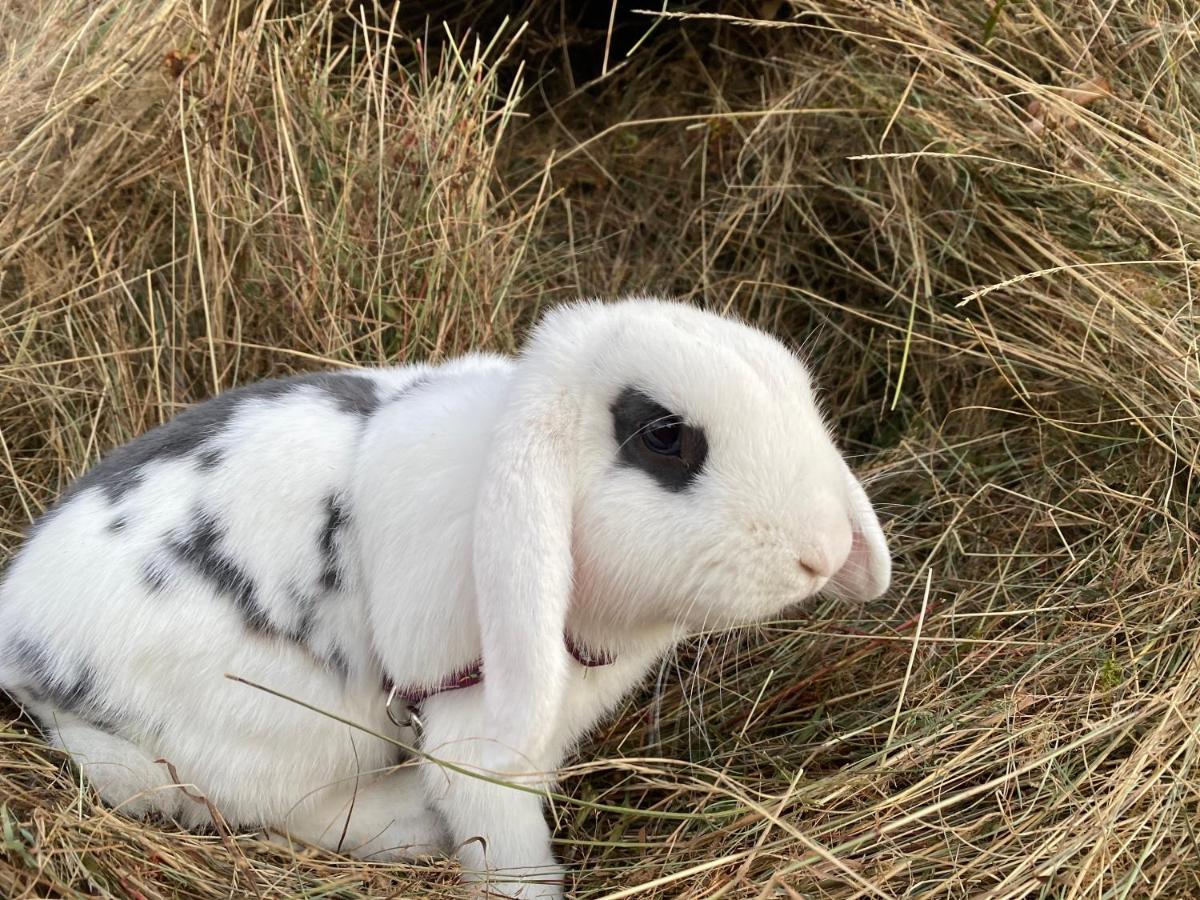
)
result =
(479, 559)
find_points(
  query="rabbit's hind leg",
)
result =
(377, 817)
(126, 776)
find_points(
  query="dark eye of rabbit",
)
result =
(665, 439)
(657, 441)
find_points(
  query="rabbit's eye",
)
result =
(657, 441)
(664, 438)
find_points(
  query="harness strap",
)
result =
(471, 675)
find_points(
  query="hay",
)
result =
(983, 230)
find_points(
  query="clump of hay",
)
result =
(982, 227)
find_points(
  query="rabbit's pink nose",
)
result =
(825, 556)
(815, 565)
(811, 567)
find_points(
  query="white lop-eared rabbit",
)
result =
(481, 558)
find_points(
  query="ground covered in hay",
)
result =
(980, 221)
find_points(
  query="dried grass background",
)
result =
(982, 223)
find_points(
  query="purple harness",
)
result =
(471, 675)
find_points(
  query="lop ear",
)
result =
(524, 569)
(868, 569)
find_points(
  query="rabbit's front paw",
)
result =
(543, 882)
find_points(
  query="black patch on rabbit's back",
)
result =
(331, 565)
(208, 460)
(305, 606)
(353, 393)
(46, 682)
(200, 548)
(303, 633)
(337, 662)
(188, 432)
(156, 574)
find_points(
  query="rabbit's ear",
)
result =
(523, 570)
(868, 570)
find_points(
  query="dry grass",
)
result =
(984, 231)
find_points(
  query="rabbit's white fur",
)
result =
(322, 535)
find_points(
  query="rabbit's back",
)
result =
(215, 543)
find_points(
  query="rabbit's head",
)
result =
(658, 465)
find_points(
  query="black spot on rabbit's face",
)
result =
(191, 430)
(657, 441)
